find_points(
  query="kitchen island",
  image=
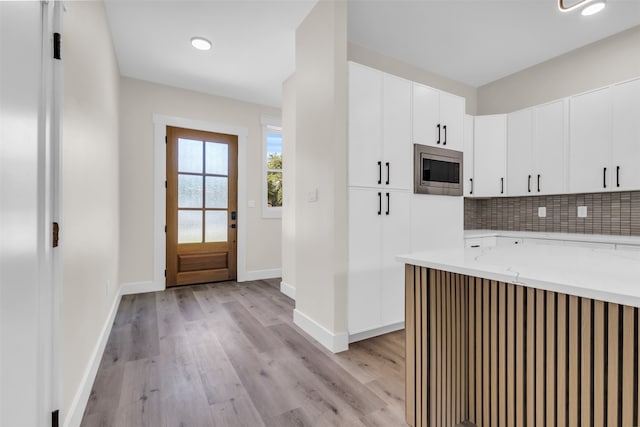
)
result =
(522, 335)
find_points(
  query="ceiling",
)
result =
(472, 41)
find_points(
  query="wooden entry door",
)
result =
(202, 187)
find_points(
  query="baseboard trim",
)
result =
(260, 275)
(288, 290)
(80, 400)
(334, 342)
(140, 288)
(375, 332)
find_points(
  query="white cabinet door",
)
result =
(467, 159)
(590, 142)
(626, 136)
(397, 148)
(489, 170)
(396, 234)
(520, 152)
(452, 121)
(364, 279)
(549, 149)
(365, 125)
(426, 115)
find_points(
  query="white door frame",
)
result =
(160, 123)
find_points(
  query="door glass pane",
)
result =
(189, 191)
(274, 189)
(189, 226)
(217, 156)
(216, 192)
(189, 155)
(216, 226)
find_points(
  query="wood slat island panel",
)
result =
(498, 354)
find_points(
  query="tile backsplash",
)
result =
(607, 213)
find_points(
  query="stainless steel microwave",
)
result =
(437, 171)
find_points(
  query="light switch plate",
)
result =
(251, 203)
(582, 211)
(312, 196)
(542, 212)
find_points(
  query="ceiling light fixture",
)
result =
(592, 6)
(200, 43)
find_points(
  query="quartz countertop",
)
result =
(575, 237)
(611, 275)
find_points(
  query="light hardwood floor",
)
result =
(228, 354)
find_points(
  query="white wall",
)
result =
(139, 101)
(607, 61)
(89, 237)
(289, 191)
(371, 58)
(321, 156)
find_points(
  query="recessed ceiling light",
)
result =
(593, 8)
(200, 43)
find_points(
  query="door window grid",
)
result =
(207, 160)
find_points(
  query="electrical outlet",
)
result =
(582, 211)
(542, 212)
(312, 196)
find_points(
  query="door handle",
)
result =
(529, 184)
(379, 172)
(604, 177)
(502, 185)
(438, 141)
(388, 203)
(445, 134)
(379, 203)
(387, 173)
(617, 176)
(538, 183)
(471, 189)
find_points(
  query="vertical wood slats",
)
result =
(498, 354)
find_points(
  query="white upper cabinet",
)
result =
(379, 129)
(549, 147)
(625, 168)
(467, 159)
(365, 125)
(536, 150)
(490, 139)
(520, 152)
(590, 141)
(438, 118)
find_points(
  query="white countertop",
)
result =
(575, 237)
(604, 274)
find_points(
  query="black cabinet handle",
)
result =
(445, 134)
(529, 184)
(538, 183)
(379, 203)
(502, 185)
(387, 172)
(379, 172)
(388, 203)
(438, 141)
(604, 177)
(471, 190)
(617, 176)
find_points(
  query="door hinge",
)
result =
(56, 235)
(165, 273)
(165, 228)
(165, 184)
(165, 139)
(57, 40)
(55, 418)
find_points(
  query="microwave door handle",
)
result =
(438, 141)
(445, 134)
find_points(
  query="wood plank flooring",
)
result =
(228, 354)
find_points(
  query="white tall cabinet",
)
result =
(467, 159)
(438, 118)
(625, 167)
(380, 183)
(489, 168)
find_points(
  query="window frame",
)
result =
(270, 125)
